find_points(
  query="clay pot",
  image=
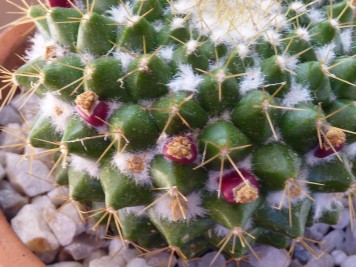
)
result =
(13, 253)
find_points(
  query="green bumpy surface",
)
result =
(277, 141)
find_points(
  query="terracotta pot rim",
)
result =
(13, 253)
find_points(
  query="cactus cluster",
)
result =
(187, 126)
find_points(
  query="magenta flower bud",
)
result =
(59, 3)
(333, 140)
(91, 109)
(324, 152)
(180, 149)
(236, 189)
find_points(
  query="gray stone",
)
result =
(338, 256)
(208, 257)
(269, 256)
(9, 115)
(31, 106)
(94, 255)
(66, 264)
(108, 261)
(42, 202)
(47, 257)
(33, 231)
(349, 246)
(2, 172)
(162, 259)
(3, 158)
(72, 212)
(349, 262)
(58, 195)
(13, 138)
(83, 246)
(333, 239)
(137, 262)
(343, 221)
(10, 201)
(31, 184)
(325, 261)
(62, 226)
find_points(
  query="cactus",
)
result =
(197, 125)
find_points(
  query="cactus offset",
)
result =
(197, 125)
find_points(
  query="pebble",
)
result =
(343, 221)
(2, 172)
(66, 264)
(208, 257)
(7, 139)
(9, 115)
(32, 184)
(137, 262)
(31, 107)
(58, 195)
(349, 246)
(333, 239)
(42, 202)
(33, 231)
(2, 158)
(62, 226)
(161, 260)
(108, 261)
(83, 246)
(325, 261)
(10, 201)
(349, 262)
(48, 256)
(269, 256)
(94, 255)
(70, 210)
(338, 256)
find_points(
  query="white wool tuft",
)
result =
(166, 53)
(185, 79)
(325, 202)
(194, 207)
(124, 58)
(157, 25)
(253, 80)
(137, 210)
(231, 21)
(303, 34)
(225, 116)
(220, 230)
(88, 166)
(39, 45)
(315, 16)
(346, 39)
(297, 94)
(298, 7)
(326, 54)
(119, 14)
(142, 178)
(272, 37)
(177, 23)
(243, 50)
(48, 105)
(351, 150)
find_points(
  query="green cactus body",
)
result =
(187, 126)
